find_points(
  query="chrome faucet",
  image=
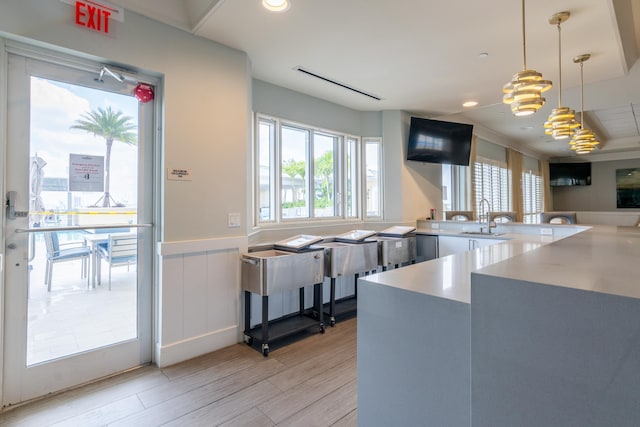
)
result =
(490, 224)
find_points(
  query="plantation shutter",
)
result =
(532, 191)
(491, 182)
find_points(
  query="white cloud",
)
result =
(56, 100)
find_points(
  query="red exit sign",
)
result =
(95, 15)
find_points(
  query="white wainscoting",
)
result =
(200, 298)
(199, 308)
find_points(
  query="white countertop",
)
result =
(601, 258)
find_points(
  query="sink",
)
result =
(481, 233)
(266, 272)
(346, 259)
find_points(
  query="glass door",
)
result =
(78, 225)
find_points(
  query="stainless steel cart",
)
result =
(349, 254)
(396, 246)
(291, 265)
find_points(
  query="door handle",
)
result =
(11, 205)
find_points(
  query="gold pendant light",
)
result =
(524, 92)
(562, 123)
(276, 5)
(584, 140)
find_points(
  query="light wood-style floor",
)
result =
(311, 382)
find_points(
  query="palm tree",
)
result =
(112, 126)
(294, 168)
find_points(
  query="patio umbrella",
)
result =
(36, 205)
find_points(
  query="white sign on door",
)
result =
(86, 173)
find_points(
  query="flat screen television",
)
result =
(436, 141)
(568, 174)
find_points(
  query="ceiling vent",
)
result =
(334, 82)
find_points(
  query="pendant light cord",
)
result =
(582, 94)
(524, 41)
(559, 66)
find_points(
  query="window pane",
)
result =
(324, 173)
(266, 142)
(351, 171)
(372, 176)
(491, 182)
(447, 187)
(306, 173)
(294, 175)
(531, 197)
(456, 188)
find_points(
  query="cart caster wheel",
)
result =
(332, 322)
(322, 328)
(265, 350)
(249, 341)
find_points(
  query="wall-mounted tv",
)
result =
(568, 174)
(436, 141)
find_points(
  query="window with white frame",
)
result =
(491, 178)
(303, 173)
(532, 191)
(265, 155)
(352, 175)
(491, 183)
(455, 188)
(373, 177)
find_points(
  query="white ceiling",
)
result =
(423, 56)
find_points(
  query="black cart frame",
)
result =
(272, 330)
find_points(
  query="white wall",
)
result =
(287, 104)
(410, 188)
(207, 111)
(600, 195)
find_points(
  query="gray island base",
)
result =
(540, 333)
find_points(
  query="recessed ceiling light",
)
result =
(526, 128)
(276, 5)
(483, 55)
(470, 103)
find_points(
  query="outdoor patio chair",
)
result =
(121, 250)
(57, 252)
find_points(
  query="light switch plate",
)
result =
(233, 220)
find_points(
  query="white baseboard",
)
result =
(176, 352)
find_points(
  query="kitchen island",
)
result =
(535, 330)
